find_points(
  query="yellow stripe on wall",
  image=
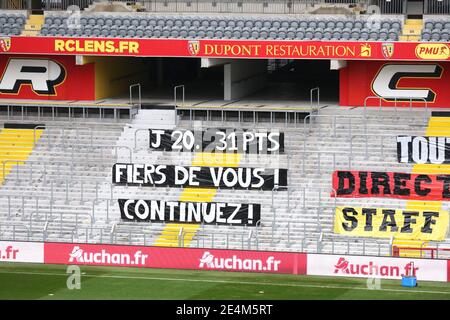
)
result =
(15, 144)
(437, 127)
(169, 236)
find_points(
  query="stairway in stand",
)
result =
(33, 25)
(412, 29)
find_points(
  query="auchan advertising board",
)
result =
(176, 258)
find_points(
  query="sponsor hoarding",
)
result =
(275, 49)
(395, 83)
(224, 260)
(45, 78)
(12, 251)
(175, 258)
(375, 267)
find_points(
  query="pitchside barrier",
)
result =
(224, 260)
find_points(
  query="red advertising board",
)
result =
(175, 258)
(395, 83)
(279, 49)
(409, 186)
(45, 78)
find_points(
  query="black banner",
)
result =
(190, 212)
(217, 140)
(417, 149)
(240, 178)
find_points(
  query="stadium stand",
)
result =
(143, 25)
(64, 191)
(436, 28)
(12, 22)
(57, 182)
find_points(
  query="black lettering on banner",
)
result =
(360, 184)
(399, 183)
(418, 185)
(429, 221)
(344, 176)
(351, 218)
(217, 140)
(446, 185)
(190, 212)
(419, 149)
(363, 183)
(381, 222)
(380, 179)
(388, 220)
(369, 212)
(239, 178)
(408, 221)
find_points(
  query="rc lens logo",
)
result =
(433, 51)
(194, 47)
(5, 44)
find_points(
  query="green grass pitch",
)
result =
(34, 281)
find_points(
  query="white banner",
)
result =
(375, 267)
(12, 251)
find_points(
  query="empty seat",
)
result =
(222, 23)
(300, 35)
(438, 25)
(290, 35)
(281, 35)
(358, 25)
(321, 24)
(96, 32)
(104, 32)
(396, 25)
(294, 24)
(319, 27)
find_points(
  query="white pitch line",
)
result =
(231, 282)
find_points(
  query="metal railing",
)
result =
(175, 95)
(437, 6)
(240, 6)
(311, 92)
(396, 101)
(137, 104)
(290, 116)
(9, 226)
(389, 6)
(66, 112)
(62, 131)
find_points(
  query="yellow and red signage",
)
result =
(281, 49)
